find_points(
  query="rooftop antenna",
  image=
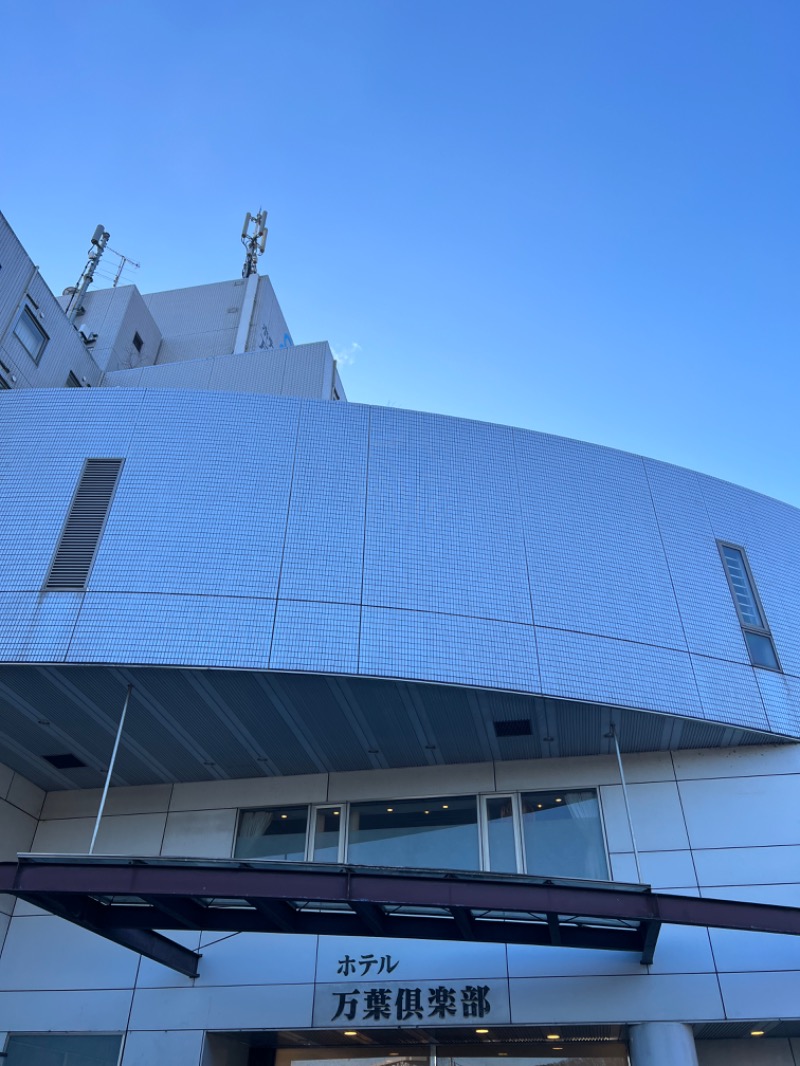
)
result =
(123, 259)
(98, 246)
(254, 239)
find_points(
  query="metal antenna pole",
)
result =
(98, 246)
(110, 768)
(123, 261)
(254, 239)
(627, 805)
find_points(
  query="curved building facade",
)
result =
(459, 662)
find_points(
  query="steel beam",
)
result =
(83, 890)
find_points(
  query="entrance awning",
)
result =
(125, 899)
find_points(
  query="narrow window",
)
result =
(30, 334)
(426, 833)
(500, 834)
(563, 835)
(752, 619)
(84, 525)
(138, 343)
(327, 825)
(276, 833)
(73, 382)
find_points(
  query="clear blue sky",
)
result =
(578, 216)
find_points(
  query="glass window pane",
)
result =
(500, 831)
(745, 599)
(31, 334)
(563, 835)
(425, 833)
(762, 653)
(277, 833)
(326, 834)
(35, 1050)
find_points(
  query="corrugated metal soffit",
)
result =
(84, 526)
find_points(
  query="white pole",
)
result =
(627, 805)
(110, 768)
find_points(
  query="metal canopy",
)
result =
(126, 899)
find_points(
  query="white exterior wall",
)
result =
(115, 315)
(717, 823)
(304, 370)
(21, 285)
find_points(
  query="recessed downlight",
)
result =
(481, 1030)
(756, 1032)
(553, 1036)
(350, 1032)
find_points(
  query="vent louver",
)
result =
(81, 534)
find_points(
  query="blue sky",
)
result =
(570, 215)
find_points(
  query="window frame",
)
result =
(29, 315)
(482, 799)
(748, 627)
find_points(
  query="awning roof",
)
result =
(125, 899)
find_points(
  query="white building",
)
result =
(367, 801)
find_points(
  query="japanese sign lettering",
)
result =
(402, 1004)
(383, 964)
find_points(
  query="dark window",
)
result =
(30, 334)
(82, 530)
(138, 343)
(752, 619)
(277, 833)
(45, 1050)
(72, 381)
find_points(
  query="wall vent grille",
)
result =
(513, 727)
(66, 761)
(84, 526)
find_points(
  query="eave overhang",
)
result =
(188, 724)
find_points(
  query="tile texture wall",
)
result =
(258, 531)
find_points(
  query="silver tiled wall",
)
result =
(258, 531)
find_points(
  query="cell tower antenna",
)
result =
(254, 239)
(98, 246)
(123, 260)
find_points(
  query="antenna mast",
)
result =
(123, 260)
(99, 241)
(254, 239)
